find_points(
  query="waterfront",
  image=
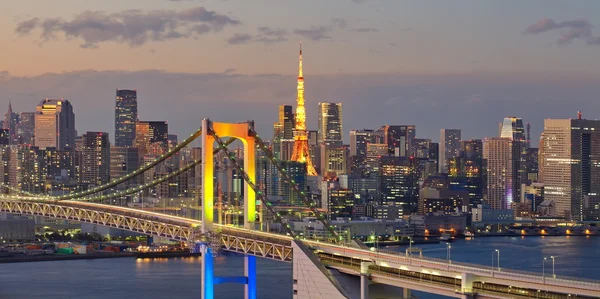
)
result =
(180, 277)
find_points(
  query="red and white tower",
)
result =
(300, 152)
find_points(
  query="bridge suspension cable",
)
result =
(259, 193)
(135, 173)
(23, 192)
(307, 201)
(152, 183)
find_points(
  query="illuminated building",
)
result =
(276, 185)
(11, 123)
(301, 152)
(95, 159)
(449, 147)
(59, 164)
(4, 137)
(330, 123)
(26, 169)
(338, 201)
(398, 182)
(540, 177)
(334, 159)
(467, 172)
(571, 165)
(512, 128)
(151, 137)
(55, 124)
(126, 114)
(399, 139)
(123, 160)
(531, 165)
(445, 201)
(499, 155)
(359, 140)
(26, 128)
(283, 133)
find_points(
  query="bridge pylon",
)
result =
(240, 131)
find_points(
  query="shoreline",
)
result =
(60, 257)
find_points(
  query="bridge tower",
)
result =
(240, 131)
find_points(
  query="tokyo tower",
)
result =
(300, 152)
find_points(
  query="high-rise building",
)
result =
(399, 139)
(531, 165)
(151, 137)
(334, 160)
(330, 123)
(126, 115)
(59, 164)
(27, 170)
(301, 151)
(11, 123)
(55, 124)
(286, 120)
(398, 181)
(283, 133)
(95, 159)
(541, 157)
(512, 127)
(4, 137)
(359, 140)
(26, 128)
(571, 165)
(123, 160)
(449, 147)
(500, 157)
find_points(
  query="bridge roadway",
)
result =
(278, 247)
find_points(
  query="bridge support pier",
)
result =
(209, 280)
(467, 280)
(406, 293)
(364, 280)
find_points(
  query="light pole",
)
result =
(553, 275)
(448, 253)
(410, 241)
(544, 269)
(497, 252)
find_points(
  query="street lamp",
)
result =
(448, 252)
(410, 241)
(553, 275)
(497, 252)
(544, 269)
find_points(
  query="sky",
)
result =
(435, 64)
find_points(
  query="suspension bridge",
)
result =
(330, 268)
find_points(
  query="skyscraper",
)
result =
(124, 160)
(359, 140)
(286, 120)
(151, 137)
(330, 123)
(512, 128)
(126, 114)
(283, 133)
(449, 147)
(571, 159)
(55, 124)
(95, 160)
(399, 139)
(11, 123)
(26, 128)
(301, 152)
(500, 181)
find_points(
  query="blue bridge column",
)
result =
(208, 286)
(209, 280)
(250, 273)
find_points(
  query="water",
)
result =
(180, 278)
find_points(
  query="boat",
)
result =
(446, 237)
(469, 234)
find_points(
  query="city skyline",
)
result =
(482, 80)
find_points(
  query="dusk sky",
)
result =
(434, 64)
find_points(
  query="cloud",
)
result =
(365, 30)
(315, 33)
(265, 35)
(133, 27)
(339, 22)
(239, 38)
(569, 31)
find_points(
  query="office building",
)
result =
(54, 124)
(512, 128)
(123, 160)
(500, 157)
(330, 124)
(60, 165)
(26, 129)
(398, 179)
(399, 139)
(11, 123)
(449, 147)
(334, 160)
(531, 165)
(126, 115)
(571, 164)
(151, 137)
(359, 140)
(26, 169)
(95, 159)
